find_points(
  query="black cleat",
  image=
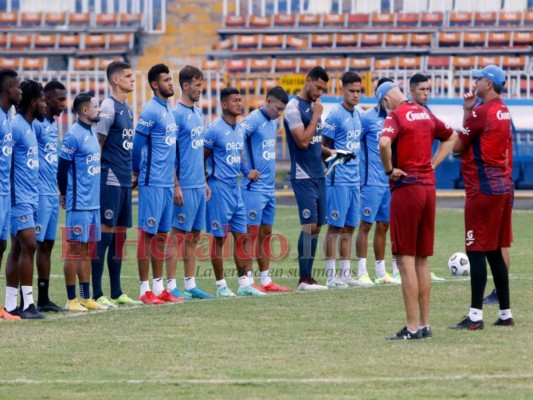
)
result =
(468, 324)
(426, 332)
(492, 298)
(404, 334)
(29, 313)
(50, 307)
(504, 322)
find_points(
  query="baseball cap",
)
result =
(491, 72)
(383, 89)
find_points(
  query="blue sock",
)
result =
(304, 253)
(114, 264)
(71, 292)
(311, 260)
(85, 290)
(97, 264)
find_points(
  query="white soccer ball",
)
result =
(459, 265)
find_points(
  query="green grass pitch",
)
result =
(287, 346)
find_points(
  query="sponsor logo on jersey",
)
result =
(417, 116)
(503, 115)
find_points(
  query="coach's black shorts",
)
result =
(115, 206)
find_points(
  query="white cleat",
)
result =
(350, 281)
(310, 285)
(336, 283)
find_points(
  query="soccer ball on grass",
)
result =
(459, 265)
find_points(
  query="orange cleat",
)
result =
(150, 298)
(272, 287)
(166, 297)
(260, 288)
(4, 315)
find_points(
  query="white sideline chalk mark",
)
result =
(481, 377)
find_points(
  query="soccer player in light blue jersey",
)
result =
(188, 218)
(10, 95)
(303, 128)
(223, 147)
(342, 131)
(78, 179)
(154, 157)
(259, 174)
(24, 202)
(375, 198)
(46, 132)
(115, 135)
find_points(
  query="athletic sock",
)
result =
(11, 298)
(250, 277)
(395, 270)
(97, 264)
(85, 291)
(157, 284)
(189, 283)
(265, 278)
(304, 253)
(346, 269)
(145, 287)
(505, 314)
(221, 284)
(330, 269)
(244, 281)
(380, 268)
(478, 277)
(42, 292)
(27, 295)
(314, 244)
(475, 314)
(361, 267)
(500, 275)
(171, 284)
(71, 292)
(114, 265)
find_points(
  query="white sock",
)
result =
(27, 295)
(395, 270)
(244, 281)
(265, 277)
(505, 314)
(171, 284)
(190, 283)
(11, 298)
(157, 284)
(475, 315)
(250, 277)
(361, 267)
(145, 287)
(221, 284)
(330, 269)
(380, 268)
(346, 269)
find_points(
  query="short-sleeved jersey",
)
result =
(47, 137)
(158, 155)
(487, 160)
(25, 163)
(81, 147)
(306, 163)
(116, 124)
(6, 141)
(260, 149)
(412, 130)
(371, 167)
(343, 128)
(226, 144)
(190, 146)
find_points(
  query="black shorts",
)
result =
(115, 206)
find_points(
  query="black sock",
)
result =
(478, 277)
(97, 264)
(310, 262)
(114, 264)
(42, 298)
(500, 275)
(304, 254)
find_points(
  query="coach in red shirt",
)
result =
(405, 147)
(486, 144)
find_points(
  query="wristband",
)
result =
(389, 172)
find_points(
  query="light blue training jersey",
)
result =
(25, 163)
(260, 148)
(343, 127)
(6, 141)
(47, 137)
(371, 167)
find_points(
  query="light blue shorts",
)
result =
(375, 204)
(225, 210)
(5, 216)
(155, 209)
(84, 226)
(343, 204)
(23, 216)
(260, 207)
(191, 215)
(47, 214)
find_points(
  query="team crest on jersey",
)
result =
(252, 214)
(367, 211)
(38, 228)
(108, 214)
(77, 229)
(23, 218)
(150, 222)
(215, 225)
(181, 218)
(306, 213)
(334, 215)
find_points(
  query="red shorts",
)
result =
(488, 223)
(412, 220)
